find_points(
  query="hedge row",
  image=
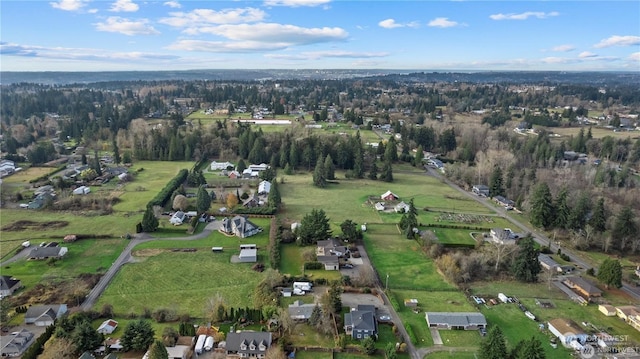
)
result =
(165, 194)
(48, 174)
(412, 335)
(313, 265)
(269, 210)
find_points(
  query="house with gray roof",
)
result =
(47, 252)
(44, 315)
(329, 252)
(456, 320)
(239, 226)
(300, 311)
(15, 344)
(548, 263)
(361, 322)
(8, 285)
(248, 344)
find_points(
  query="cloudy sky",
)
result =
(107, 35)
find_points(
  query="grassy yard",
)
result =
(115, 225)
(184, 281)
(147, 183)
(21, 179)
(304, 335)
(85, 256)
(595, 132)
(461, 338)
(451, 354)
(453, 236)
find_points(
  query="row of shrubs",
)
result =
(313, 265)
(165, 194)
(268, 210)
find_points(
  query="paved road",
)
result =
(539, 237)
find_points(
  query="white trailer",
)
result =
(200, 343)
(306, 286)
(208, 344)
(503, 298)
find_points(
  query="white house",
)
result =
(264, 187)
(218, 166)
(402, 208)
(258, 168)
(178, 218)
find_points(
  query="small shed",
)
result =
(608, 310)
(412, 303)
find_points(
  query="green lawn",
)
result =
(453, 236)
(451, 354)
(461, 338)
(291, 262)
(147, 183)
(304, 335)
(431, 301)
(84, 256)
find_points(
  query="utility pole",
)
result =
(386, 285)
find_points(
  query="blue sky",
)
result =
(111, 35)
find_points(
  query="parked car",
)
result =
(483, 331)
(385, 318)
(347, 266)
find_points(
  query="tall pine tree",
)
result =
(494, 346)
(526, 265)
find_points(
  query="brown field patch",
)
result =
(149, 252)
(24, 225)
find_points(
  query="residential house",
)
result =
(264, 187)
(44, 315)
(379, 206)
(389, 196)
(8, 285)
(456, 320)
(608, 310)
(87, 355)
(252, 201)
(502, 201)
(567, 331)
(239, 226)
(329, 252)
(248, 253)
(247, 344)
(300, 311)
(361, 322)
(41, 200)
(258, 168)
(235, 175)
(40, 253)
(175, 352)
(107, 327)
(7, 167)
(481, 190)
(217, 166)
(402, 207)
(501, 236)
(548, 263)
(15, 344)
(248, 174)
(625, 311)
(583, 287)
(178, 218)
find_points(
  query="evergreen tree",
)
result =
(542, 211)
(562, 209)
(387, 172)
(315, 317)
(580, 211)
(494, 346)
(391, 151)
(319, 179)
(158, 351)
(599, 219)
(625, 227)
(274, 198)
(149, 221)
(85, 337)
(294, 156)
(358, 165)
(96, 163)
(314, 227)
(329, 168)
(610, 273)
(203, 200)
(496, 187)
(373, 173)
(241, 166)
(116, 152)
(369, 345)
(529, 349)
(526, 265)
(417, 160)
(138, 335)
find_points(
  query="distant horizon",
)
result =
(464, 36)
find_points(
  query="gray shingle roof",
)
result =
(235, 341)
(456, 318)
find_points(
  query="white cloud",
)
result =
(316, 55)
(69, 5)
(76, 53)
(172, 4)
(587, 54)
(296, 3)
(635, 56)
(617, 40)
(276, 33)
(204, 17)
(443, 22)
(222, 46)
(92, 11)
(524, 15)
(124, 6)
(563, 48)
(126, 26)
(557, 60)
(392, 24)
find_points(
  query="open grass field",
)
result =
(402, 259)
(596, 132)
(302, 354)
(453, 236)
(182, 281)
(461, 338)
(84, 256)
(147, 183)
(305, 336)
(22, 178)
(451, 354)
(115, 225)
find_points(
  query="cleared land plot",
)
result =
(453, 236)
(147, 183)
(182, 281)
(23, 177)
(115, 225)
(453, 354)
(596, 132)
(402, 259)
(84, 256)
